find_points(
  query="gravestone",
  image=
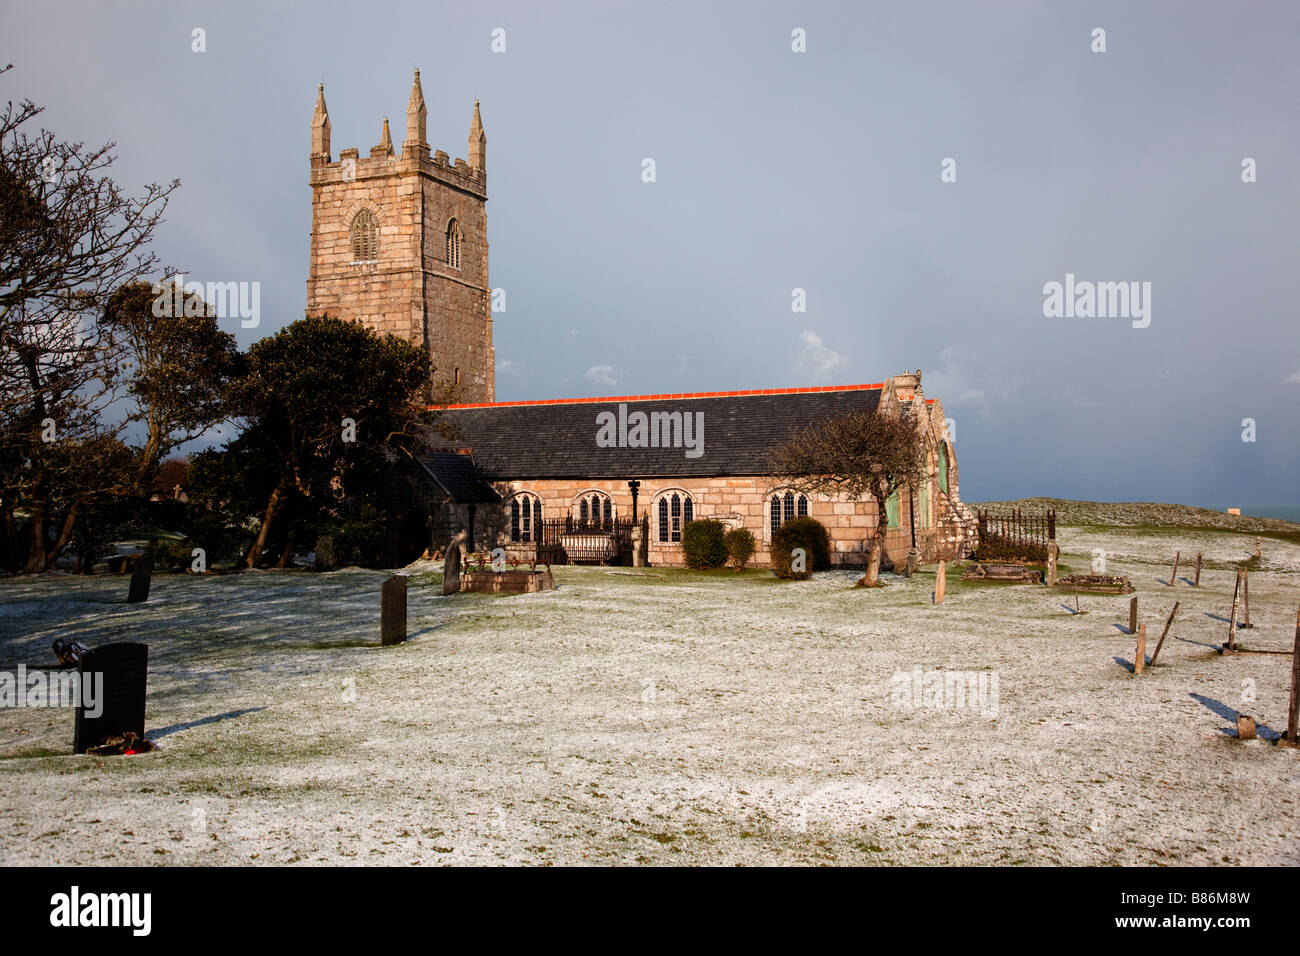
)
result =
(1051, 565)
(1140, 657)
(451, 566)
(913, 562)
(123, 674)
(392, 616)
(1133, 615)
(326, 558)
(940, 583)
(140, 577)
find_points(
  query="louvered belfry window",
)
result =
(453, 244)
(365, 237)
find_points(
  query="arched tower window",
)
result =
(525, 518)
(453, 244)
(365, 237)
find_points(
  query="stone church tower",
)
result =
(399, 242)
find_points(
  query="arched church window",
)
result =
(785, 507)
(453, 244)
(525, 518)
(596, 510)
(675, 510)
(365, 237)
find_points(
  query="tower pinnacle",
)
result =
(477, 142)
(415, 120)
(320, 128)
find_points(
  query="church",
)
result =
(399, 243)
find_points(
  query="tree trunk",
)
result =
(9, 540)
(36, 553)
(872, 577)
(65, 534)
(272, 509)
(286, 554)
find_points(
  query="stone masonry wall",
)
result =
(409, 290)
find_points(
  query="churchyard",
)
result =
(667, 716)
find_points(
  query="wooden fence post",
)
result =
(1140, 658)
(1133, 614)
(1245, 596)
(1156, 652)
(1177, 555)
(1232, 623)
(1196, 583)
(1293, 714)
(940, 583)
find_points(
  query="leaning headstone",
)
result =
(940, 583)
(451, 567)
(140, 577)
(118, 676)
(1140, 658)
(392, 616)
(1133, 615)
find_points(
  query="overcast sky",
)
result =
(778, 170)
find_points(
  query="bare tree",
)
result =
(860, 454)
(69, 236)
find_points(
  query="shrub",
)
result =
(703, 544)
(172, 554)
(740, 547)
(807, 533)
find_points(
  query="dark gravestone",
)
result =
(140, 577)
(120, 673)
(451, 566)
(392, 615)
(326, 560)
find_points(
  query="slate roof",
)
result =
(458, 477)
(557, 438)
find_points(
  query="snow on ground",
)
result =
(663, 716)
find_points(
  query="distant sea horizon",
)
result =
(1280, 512)
(1277, 512)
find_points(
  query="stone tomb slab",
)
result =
(1095, 584)
(1002, 571)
